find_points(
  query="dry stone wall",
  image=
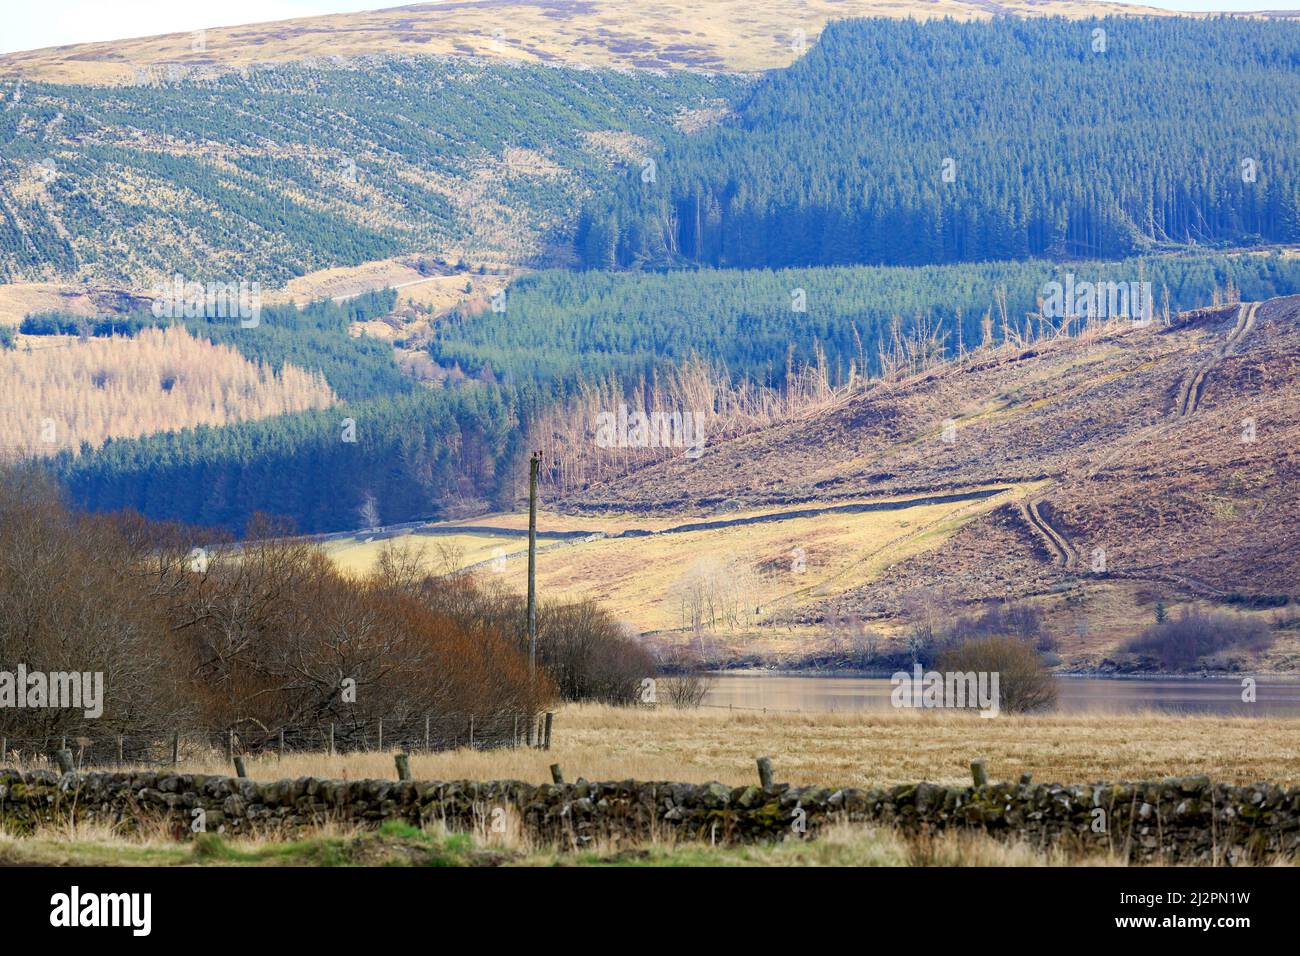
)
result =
(1179, 820)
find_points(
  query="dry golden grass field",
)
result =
(644, 580)
(607, 743)
(865, 749)
(441, 292)
(764, 580)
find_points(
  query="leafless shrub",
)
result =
(259, 635)
(1179, 643)
(1024, 682)
(686, 682)
(1007, 618)
(588, 655)
(925, 610)
(716, 595)
(851, 642)
(77, 595)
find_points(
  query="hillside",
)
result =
(1090, 476)
(945, 141)
(679, 34)
(76, 390)
(564, 323)
(982, 463)
(295, 169)
(330, 171)
(501, 383)
(1174, 488)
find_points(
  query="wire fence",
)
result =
(422, 734)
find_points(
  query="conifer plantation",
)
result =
(900, 142)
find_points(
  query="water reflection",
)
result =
(1216, 695)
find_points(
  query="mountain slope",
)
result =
(1132, 482)
(944, 141)
(287, 171)
(740, 35)
(1082, 488)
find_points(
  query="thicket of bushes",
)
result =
(1179, 643)
(260, 636)
(583, 650)
(1006, 637)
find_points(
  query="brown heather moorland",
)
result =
(1136, 465)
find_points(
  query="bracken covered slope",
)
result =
(1165, 453)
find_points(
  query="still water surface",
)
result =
(1214, 695)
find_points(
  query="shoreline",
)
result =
(870, 674)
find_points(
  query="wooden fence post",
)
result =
(403, 767)
(557, 776)
(427, 746)
(120, 749)
(979, 773)
(331, 738)
(64, 757)
(381, 734)
(471, 732)
(516, 736)
(4, 747)
(176, 749)
(281, 749)
(240, 770)
(765, 772)
(230, 745)
(547, 739)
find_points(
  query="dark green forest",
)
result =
(316, 338)
(558, 324)
(900, 142)
(417, 454)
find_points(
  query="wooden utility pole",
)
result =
(534, 466)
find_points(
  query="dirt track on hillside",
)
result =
(1138, 430)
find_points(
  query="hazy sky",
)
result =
(31, 24)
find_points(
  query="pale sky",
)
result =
(32, 24)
